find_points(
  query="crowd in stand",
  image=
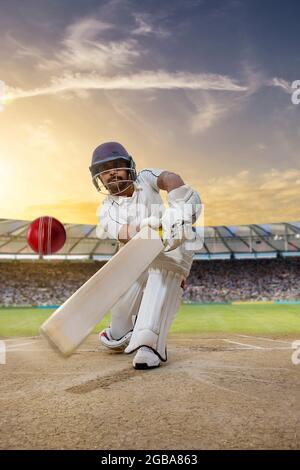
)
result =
(42, 283)
(244, 280)
(45, 283)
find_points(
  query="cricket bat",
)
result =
(75, 319)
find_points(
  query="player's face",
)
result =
(114, 176)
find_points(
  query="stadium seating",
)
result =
(44, 283)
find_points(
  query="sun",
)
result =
(5, 99)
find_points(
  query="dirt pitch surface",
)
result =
(215, 392)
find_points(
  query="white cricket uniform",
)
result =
(160, 283)
(145, 201)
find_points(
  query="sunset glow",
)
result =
(193, 88)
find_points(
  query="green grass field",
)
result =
(191, 319)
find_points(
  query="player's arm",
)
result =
(126, 232)
(167, 181)
(180, 195)
(114, 225)
(184, 208)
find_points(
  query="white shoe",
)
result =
(109, 342)
(145, 358)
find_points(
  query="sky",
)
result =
(198, 87)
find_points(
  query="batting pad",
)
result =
(160, 303)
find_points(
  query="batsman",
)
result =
(142, 317)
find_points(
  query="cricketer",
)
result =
(142, 317)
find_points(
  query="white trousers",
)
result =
(174, 266)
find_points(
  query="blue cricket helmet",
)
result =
(108, 152)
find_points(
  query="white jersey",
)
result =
(145, 201)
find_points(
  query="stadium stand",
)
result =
(42, 283)
(244, 280)
(242, 263)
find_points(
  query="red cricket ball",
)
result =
(46, 235)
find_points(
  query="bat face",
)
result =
(73, 321)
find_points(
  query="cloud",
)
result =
(245, 198)
(84, 48)
(24, 51)
(88, 59)
(261, 146)
(283, 84)
(2, 95)
(209, 108)
(208, 113)
(276, 180)
(140, 81)
(145, 27)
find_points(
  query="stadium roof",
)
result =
(222, 242)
